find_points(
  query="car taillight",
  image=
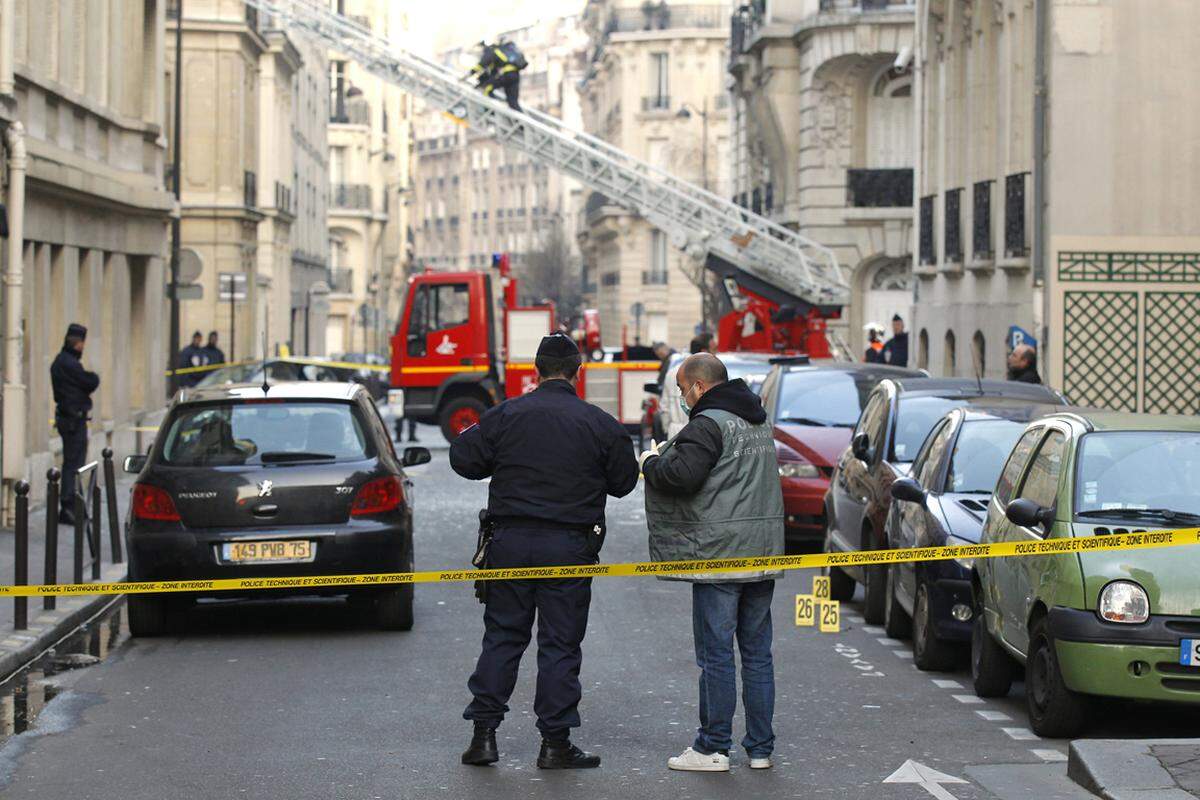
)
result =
(376, 497)
(151, 502)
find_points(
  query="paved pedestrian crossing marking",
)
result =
(994, 716)
(1021, 734)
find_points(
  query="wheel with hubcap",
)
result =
(896, 622)
(991, 665)
(460, 414)
(929, 652)
(1054, 710)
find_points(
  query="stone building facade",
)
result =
(823, 138)
(82, 112)
(655, 88)
(1068, 217)
(370, 148)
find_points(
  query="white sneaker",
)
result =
(760, 763)
(691, 761)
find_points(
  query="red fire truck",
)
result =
(464, 345)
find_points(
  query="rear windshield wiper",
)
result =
(1137, 513)
(280, 456)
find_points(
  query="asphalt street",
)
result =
(302, 699)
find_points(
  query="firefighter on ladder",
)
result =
(500, 67)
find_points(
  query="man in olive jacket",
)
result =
(713, 492)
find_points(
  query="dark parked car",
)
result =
(377, 381)
(894, 423)
(814, 406)
(944, 502)
(300, 479)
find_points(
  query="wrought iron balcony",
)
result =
(656, 102)
(353, 196)
(283, 197)
(652, 277)
(953, 212)
(927, 248)
(1015, 243)
(879, 188)
(862, 5)
(981, 222)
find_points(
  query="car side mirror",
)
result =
(134, 464)
(415, 456)
(1028, 514)
(652, 388)
(860, 446)
(908, 490)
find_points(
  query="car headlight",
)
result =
(1124, 601)
(797, 469)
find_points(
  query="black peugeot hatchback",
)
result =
(263, 481)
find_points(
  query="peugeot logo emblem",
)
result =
(264, 488)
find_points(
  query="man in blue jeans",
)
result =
(713, 492)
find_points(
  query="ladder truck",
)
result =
(781, 286)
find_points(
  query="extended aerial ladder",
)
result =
(767, 259)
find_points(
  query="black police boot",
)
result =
(66, 517)
(561, 754)
(483, 747)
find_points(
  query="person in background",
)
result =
(194, 355)
(211, 351)
(663, 352)
(703, 343)
(874, 354)
(1022, 365)
(895, 352)
(73, 386)
(713, 492)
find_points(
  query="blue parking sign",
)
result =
(1018, 335)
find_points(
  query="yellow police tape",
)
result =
(1138, 540)
(274, 359)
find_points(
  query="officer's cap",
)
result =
(75, 329)
(557, 345)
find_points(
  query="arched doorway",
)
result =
(949, 357)
(888, 292)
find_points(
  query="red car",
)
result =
(814, 407)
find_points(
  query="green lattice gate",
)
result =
(1100, 348)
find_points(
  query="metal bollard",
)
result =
(110, 498)
(51, 561)
(94, 531)
(21, 551)
(80, 516)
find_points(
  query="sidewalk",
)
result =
(1137, 769)
(46, 627)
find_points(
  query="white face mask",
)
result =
(683, 403)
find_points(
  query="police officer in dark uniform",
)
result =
(552, 459)
(73, 386)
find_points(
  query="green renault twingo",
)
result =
(1115, 624)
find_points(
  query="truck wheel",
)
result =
(1054, 710)
(460, 414)
(394, 608)
(991, 665)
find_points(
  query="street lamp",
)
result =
(685, 112)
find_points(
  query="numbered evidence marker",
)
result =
(821, 587)
(830, 616)
(806, 608)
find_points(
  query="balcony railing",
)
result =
(610, 279)
(927, 250)
(660, 16)
(355, 111)
(879, 188)
(862, 5)
(1015, 244)
(354, 196)
(341, 280)
(981, 222)
(656, 102)
(249, 189)
(954, 245)
(653, 277)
